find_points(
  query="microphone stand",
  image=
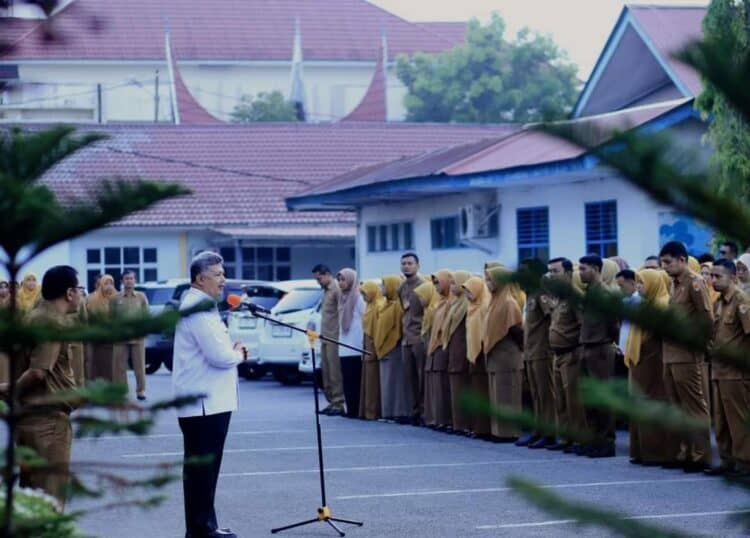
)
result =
(324, 512)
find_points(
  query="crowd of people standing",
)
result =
(429, 340)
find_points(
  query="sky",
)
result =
(580, 27)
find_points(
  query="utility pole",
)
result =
(156, 97)
(99, 103)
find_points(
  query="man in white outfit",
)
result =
(205, 363)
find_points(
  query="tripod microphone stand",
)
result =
(324, 512)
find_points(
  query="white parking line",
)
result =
(501, 489)
(282, 449)
(388, 467)
(179, 435)
(651, 516)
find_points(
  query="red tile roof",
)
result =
(189, 110)
(242, 174)
(230, 30)
(527, 147)
(671, 29)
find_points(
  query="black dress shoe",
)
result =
(695, 467)
(141, 397)
(526, 440)
(601, 452)
(672, 465)
(636, 461)
(222, 533)
(559, 446)
(539, 443)
(720, 470)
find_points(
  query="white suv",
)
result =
(280, 348)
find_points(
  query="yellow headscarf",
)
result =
(694, 265)
(518, 294)
(390, 313)
(609, 274)
(444, 277)
(374, 299)
(98, 302)
(458, 307)
(504, 311)
(475, 316)
(25, 299)
(430, 298)
(655, 293)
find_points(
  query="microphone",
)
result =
(234, 300)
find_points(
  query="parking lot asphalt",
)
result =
(399, 480)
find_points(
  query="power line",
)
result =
(75, 94)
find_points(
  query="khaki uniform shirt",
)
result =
(133, 304)
(329, 310)
(565, 325)
(732, 329)
(690, 295)
(595, 328)
(413, 312)
(52, 357)
(536, 326)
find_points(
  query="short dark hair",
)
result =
(410, 255)
(566, 263)
(321, 269)
(726, 264)
(706, 258)
(129, 272)
(652, 257)
(57, 281)
(627, 274)
(593, 260)
(676, 249)
(732, 246)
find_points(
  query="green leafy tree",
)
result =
(266, 106)
(728, 21)
(489, 79)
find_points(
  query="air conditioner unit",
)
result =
(474, 221)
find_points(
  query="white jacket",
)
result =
(204, 360)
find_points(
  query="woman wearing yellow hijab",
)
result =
(455, 345)
(643, 357)
(610, 268)
(369, 392)
(706, 274)
(101, 358)
(394, 389)
(478, 296)
(28, 293)
(502, 339)
(437, 398)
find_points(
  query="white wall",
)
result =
(332, 90)
(57, 255)
(305, 258)
(637, 224)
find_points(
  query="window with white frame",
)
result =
(257, 262)
(395, 236)
(115, 261)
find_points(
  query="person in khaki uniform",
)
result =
(731, 386)
(564, 341)
(538, 361)
(130, 303)
(47, 430)
(683, 368)
(598, 337)
(333, 383)
(101, 361)
(479, 300)
(369, 396)
(78, 349)
(413, 350)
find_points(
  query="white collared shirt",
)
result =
(634, 299)
(204, 360)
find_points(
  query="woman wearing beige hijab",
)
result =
(28, 294)
(478, 296)
(101, 359)
(743, 272)
(455, 344)
(395, 394)
(369, 395)
(429, 298)
(437, 399)
(502, 339)
(351, 309)
(643, 357)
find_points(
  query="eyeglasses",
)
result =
(81, 289)
(723, 252)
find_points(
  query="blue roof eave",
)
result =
(355, 196)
